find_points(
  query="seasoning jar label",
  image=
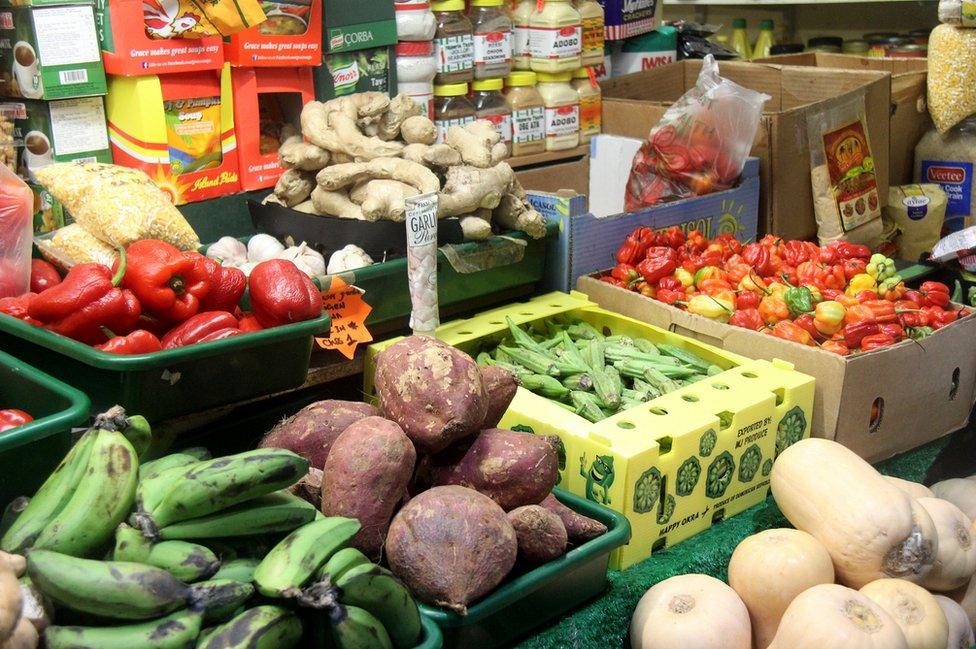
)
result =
(955, 179)
(562, 120)
(528, 125)
(555, 42)
(492, 47)
(590, 113)
(503, 125)
(454, 53)
(850, 168)
(426, 102)
(520, 41)
(592, 35)
(916, 202)
(444, 124)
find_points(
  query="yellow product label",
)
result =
(593, 34)
(968, 13)
(193, 134)
(591, 114)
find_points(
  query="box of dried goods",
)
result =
(346, 73)
(356, 25)
(291, 36)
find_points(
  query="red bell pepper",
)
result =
(227, 285)
(248, 323)
(670, 296)
(855, 333)
(19, 307)
(796, 252)
(635, 246)
(168, 283)
(87, 300)
(282, 294)
(13, 418)
(806, 322)
(660, 262)
(934, 294)
(673, 237)
(43, 275)
(876, 341)
(855, 266)
(758, 257)
(746, 300)
(893, 329)
(203, 327)
(139, 341)
(847, 250)
(915, 297)
(670, 282)
(939, 317)
(748, 318)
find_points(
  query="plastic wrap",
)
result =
(16, 228)
(952, 75)
(72, 245)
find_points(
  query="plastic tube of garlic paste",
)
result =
(421, 222)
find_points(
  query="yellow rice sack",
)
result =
(952, 75)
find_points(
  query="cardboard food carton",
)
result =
(357, 25)
(179, 129)
(626, 18)
(345, 73)
(291, 36)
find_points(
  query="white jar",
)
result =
(416, 68)
(562, 110)
(414, 20)
(521, 54)
(555, 37)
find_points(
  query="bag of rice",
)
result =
(952, 75)
(949, 160)
(957, 12)
(918, 212)
(72, 245)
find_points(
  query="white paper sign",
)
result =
(421, 222)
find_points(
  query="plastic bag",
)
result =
(16, 230)
(701, 143)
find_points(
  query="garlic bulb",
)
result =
(228, 251)
(349, 258)
(309, 261)
(262, 247)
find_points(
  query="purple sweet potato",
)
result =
(451, 545)
(579, 528)
(311, 431)
(500, 384)
(365, 477)
(435, 392)
(540, 533)
(513, 469)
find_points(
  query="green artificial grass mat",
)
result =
(603, 622)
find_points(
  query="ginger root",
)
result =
(476, 226)
(294, 186)
(307, 207)
(335, 204)
(418, 129)
(476, 143)
(514, 213)
(383, 199)
(416, 175)
(390, 123)
(435, 156)
(295, 153)
(467, 189)
(333, 126)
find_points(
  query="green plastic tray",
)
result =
(432, 638)
(30, 452)
(532, 599)
(175, 382)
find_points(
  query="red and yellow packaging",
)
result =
(291, 36)
(265, 99)
(179, 129)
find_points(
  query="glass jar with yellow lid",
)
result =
(490, 104)
(453, 43)
(562, 106)
(528, 113)
(591, 17)
(590, 104)
(451, 108)
(521, 54)
(492, 39)
(555, 37)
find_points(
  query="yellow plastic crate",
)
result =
(675, 465)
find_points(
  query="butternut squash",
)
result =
(914, 610)
(830, 616)
(870, 527)
(960, 630)
(690, 611)
(769, 569)
(961, 492)
(966, 596)
(955, 557)
(913, 489)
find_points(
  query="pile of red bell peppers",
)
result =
(157, 297)
(13, 418)
(839, 297)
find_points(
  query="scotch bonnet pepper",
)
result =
(282, 294)
(168, 283)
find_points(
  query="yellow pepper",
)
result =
(715, 308)
(861, 282)
(776, 288)
(817, 295)
(753, 283)
(829, 317)
(683, 276)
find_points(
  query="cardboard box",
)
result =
(588, 237)
(345, 73)
(268, 98)
(357, 25)
(634, 103)
(923, 389)
(50, 52)
(179, 129)
(128, 51)
(909, 117)
(61, 131)
(626, 18)
(291, 36)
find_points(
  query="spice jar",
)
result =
(453, 43)
(528, 113)
(562, 110)
(489, 104)
(521, 55)
(451, 108)
(591, 18)
(590, 104)
(416, 67)
(555, 37)
(492, 39)
(414, 21)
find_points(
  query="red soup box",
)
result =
(265, 99)
(290, 37)
(128, 51)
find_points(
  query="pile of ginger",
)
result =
(360, 156)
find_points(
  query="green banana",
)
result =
(175, 631)
(156, 485)
(99, 502)
(340, 562)
(201, 453)
(185, 561)
(50, 499)
(376, 590)
(261, 627)
(356, 628)
(13, 509)
(139, 434)
(217, 484)
(241, 570)
(292, 562)
(276, 512)
(219, 599)
(113, 589)
(153, 468)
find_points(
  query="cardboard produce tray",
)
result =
(877, 404)
(674, 466)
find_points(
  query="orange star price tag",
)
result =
(349, 312)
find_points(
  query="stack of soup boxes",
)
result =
(53, 86)
(358, 41)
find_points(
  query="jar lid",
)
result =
(447, 5)
(487, 3)
(581, 73)
(451, 90)
(521, 78)
(411, 48)
(738, 23)
(550, 77)
(487, 84)
(766, 24)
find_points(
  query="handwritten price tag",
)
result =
(349, 312)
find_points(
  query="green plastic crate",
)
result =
(30, 452)
(432, 638)
(532, 599)
(174, 382)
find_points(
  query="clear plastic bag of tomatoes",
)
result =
(701, 143)
(16, 229)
